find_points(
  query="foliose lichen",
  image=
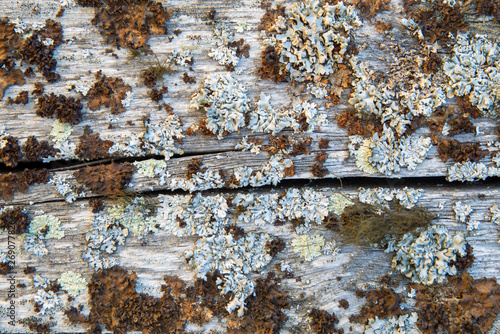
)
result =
(73, 283)
(308, 246)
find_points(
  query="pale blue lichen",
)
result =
(47, 300)
(429, 258)
(406, 197)
(338, 202)
(404, 324)
(73, 283)
(60, 131)
(39, 223)
(225, 101)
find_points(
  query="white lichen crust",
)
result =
(39, 223)
(406, 197)
(428, 258)
(225, 101)
(404, 324)
(308, 246)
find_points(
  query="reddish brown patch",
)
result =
(65, 109)
(21, 98)
(97, 204)
(39, 89)
(105, 179)
(432, 63)
(277, 143)
(301, 147)
(236, 231)
(130, 23)
(381, 303)
(19, 182)
(11, 153)
(9, 78)
(156, 95)
(356, 125)
(323, 322)
(271, 68)
(15, 220)
(457, 151)
(92, 147)
(323, 143)
(187, 79)
(383, 26)
(108, 92)
(194, 166)
(344, 304)
(36, 151)
(275, 246)
(240, 47)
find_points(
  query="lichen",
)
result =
(430, 257)
(338, 202)
(225, 102)
(403, 324)
(49, 223)
(73, 283)
(308, 246)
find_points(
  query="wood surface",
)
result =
(162, 254)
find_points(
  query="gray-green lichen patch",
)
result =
(73, 283)
(406, 197)
(313, 38)
(226, 103)
(473, 69)
(403, 324)
(338, 202)
(46, 222)
(428, 258)
(308, 246)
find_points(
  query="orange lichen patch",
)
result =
(38, 53)
(107, 91)
(7, 79)
(436, 19)
(383, 26)
(457, 151)
(301, 147)
(263, 313)
(275, 246)
(277, 143)
(364, 126)
(10, 153)
(382, 303)
(66, 109)
(322, 322)
(194, 166)
(36, 151)
(463, 305)
(14, 220)
(105, 179)
(19, 182)
(130, 23)
(271, 68)
(366, 224)
(92, 147)
(21, 98)
(187, 79)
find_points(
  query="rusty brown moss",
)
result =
(21, 98)
(35, 150)
(65, 109)
(108, 92)
(11, 153)
(382, 303)
(19, 182)
(130, 23)
(363, 125)
(193, 167)
(322, 322)
(105, 179)
(457, 151)
(92, 147)
(14, 220)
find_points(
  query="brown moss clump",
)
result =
(383, 26)
(301, 147)
(488, 7)
(115, 304)
(9, 78)
(457, 151)
(37, 325)
(19, 182)
(36, 151)
(89, 3)
(38, 90)
(365, 125)
(11, 153)
(344, 304)
(263, 313)
(241, 49)
(271, 68)
(436, 19)
(97, 204)
(156, 95)
(105, 179)
(323, 322)
(463, 305)
(382, 303)
(35, 52)
(317, 169)
(277, 143)
(187, 79)
(366, 224)
(275, 246)
(21, 98)
(323, 143)
(5, 268)
(15, 220)
(194, 166)
(10, 42)
(109, 92)
(154, 73)
(92, 147)
(130, 23)
(65, 109)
